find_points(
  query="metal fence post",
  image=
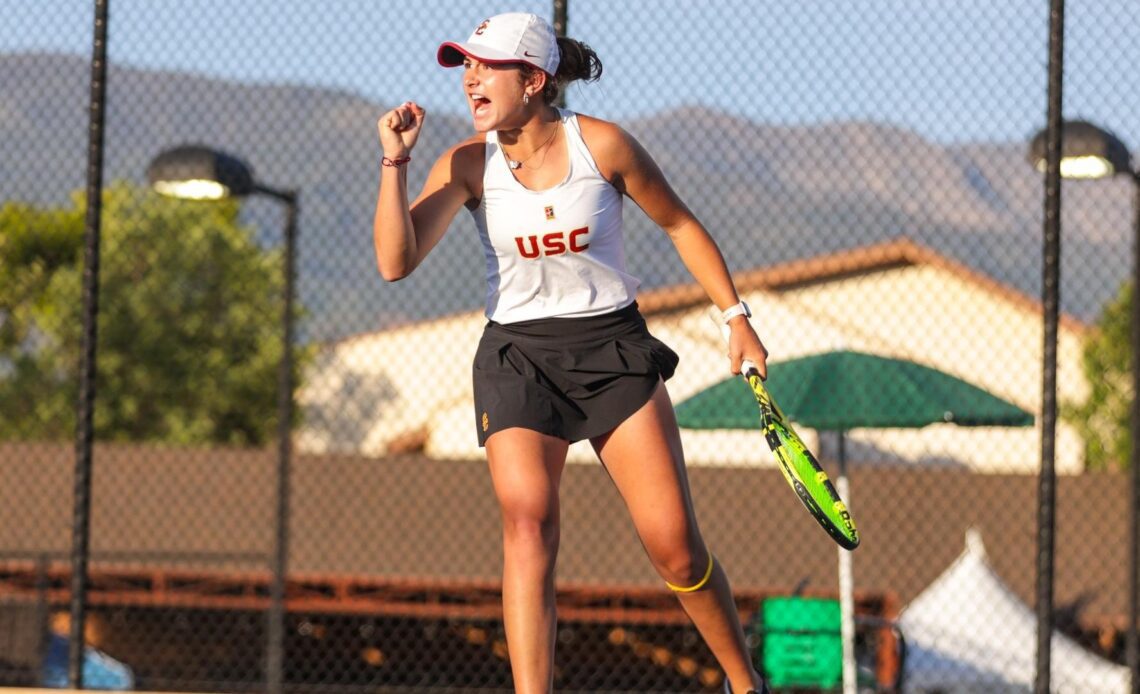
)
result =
(81, 524)
(1132, 638)
(1051, 286)
(561, 18)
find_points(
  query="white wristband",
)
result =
(740, 309)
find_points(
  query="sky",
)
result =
(952, 70)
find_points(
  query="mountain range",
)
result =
(768, 192)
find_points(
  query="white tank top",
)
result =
(554, 253)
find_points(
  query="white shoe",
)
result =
(763, 688)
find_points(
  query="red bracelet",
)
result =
(395, 162)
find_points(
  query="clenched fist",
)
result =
(400, 128)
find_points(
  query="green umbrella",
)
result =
(836, 391)
(842, 390)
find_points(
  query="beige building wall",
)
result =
(993, 339)
(375, 393)
(411, 386)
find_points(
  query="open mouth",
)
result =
(479, 103)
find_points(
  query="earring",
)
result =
(526, 99)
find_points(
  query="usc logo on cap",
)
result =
(482, 27)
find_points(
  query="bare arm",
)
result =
(404, 233)
(626, 163)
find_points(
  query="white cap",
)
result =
(514, 37)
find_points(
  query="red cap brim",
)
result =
(451, 54)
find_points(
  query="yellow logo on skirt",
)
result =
(486, 422)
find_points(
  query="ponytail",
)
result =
(577, 61)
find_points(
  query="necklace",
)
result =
(516, 164)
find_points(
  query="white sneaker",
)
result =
(763, 688)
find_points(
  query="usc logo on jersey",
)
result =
(554, 243)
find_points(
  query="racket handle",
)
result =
(726, 333)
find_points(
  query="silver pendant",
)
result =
(514, 164)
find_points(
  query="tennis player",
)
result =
(565, 354)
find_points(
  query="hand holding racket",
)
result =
(742, 339)
(802, 471)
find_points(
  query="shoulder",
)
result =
(462, 164)
(604, 138)
(466, 154)
(615, 151)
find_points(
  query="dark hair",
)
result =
(577, 61)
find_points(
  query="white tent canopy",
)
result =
(968, 632)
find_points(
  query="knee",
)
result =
(683, 566)
(531, 529)
(676, 551)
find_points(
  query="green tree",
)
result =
(35, 381)
(188, 332)
(1103, 418)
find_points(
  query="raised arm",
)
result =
(625, 162)
(404, 233)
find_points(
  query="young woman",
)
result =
(565, 355)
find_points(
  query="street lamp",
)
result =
(1089, 152)
(196, 172)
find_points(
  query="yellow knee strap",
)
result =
(700, 584)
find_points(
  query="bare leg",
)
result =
(644, 458)
(526, 468)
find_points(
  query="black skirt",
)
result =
(573, 378)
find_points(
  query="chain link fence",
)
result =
(862, 166)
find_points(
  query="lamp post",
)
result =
(1090, 152)
(195, 172)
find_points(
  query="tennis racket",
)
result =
(802, 471)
